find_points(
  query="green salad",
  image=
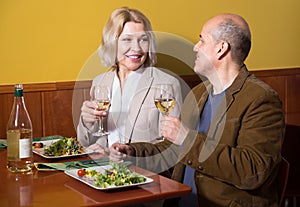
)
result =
(118, 175)
(65, 146)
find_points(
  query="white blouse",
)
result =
(120, 103)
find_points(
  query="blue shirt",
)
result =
(210, 107)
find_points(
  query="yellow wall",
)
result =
(55, 40)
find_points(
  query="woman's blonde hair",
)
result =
(113, 29)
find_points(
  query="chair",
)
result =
(282, 177)
(290, 151)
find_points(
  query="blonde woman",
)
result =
(128, 49)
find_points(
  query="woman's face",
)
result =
(133, 46)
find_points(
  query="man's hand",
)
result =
(118, 152)
(173, 130)
(97, 148)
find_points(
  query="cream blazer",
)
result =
(142, 124)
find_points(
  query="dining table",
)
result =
(56, 188)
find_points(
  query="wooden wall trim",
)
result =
(42, 87)
(29, 87)
(276, 72)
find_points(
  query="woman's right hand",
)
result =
(90, 114)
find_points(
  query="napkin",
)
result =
(47, 138)
(3, 142)
(71, 165)
(62, 166)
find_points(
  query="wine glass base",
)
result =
(158, 139)
(100, 134)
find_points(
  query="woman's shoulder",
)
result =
(163, 74)
(101, 76)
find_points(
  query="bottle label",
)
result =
(25, 148)
(13, 137)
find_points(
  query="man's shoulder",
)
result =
(255, 89)
(258, 86)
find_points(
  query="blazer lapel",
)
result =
(218, 122)
(229, 98)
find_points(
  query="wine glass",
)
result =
(164, 100)
(101, 96)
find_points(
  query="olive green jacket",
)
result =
(237, 160)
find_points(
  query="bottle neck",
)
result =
(18, 93)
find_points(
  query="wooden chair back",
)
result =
(283, 175)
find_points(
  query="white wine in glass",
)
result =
(164, 100)
(101, 96)
(165, 106)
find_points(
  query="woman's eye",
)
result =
(145, 39)
(126, 39)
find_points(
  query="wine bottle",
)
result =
(19, 135)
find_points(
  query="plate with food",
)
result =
(108, 177)
(59, 148)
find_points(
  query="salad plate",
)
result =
(101, 169)
(47, 143)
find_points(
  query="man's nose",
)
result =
(195, 49)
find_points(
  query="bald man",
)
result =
(229, 142)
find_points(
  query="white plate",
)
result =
(101, 169)
(40, 151)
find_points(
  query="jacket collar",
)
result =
(231, 91)
(218, 122)
(239, 80)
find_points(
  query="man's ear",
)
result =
(222, 49)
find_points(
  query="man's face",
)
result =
(205, 50)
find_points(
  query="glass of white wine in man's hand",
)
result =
(164, 100)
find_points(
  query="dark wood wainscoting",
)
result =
(50, 105)
(55, 107)
(287, 83)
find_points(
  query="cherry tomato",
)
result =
(81, 172)
(38, 145)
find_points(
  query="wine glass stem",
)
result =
(101, 124)
(162, 137)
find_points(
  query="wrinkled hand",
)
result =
(118, 152)
(97, 148)
(173, 130)
(90, 114)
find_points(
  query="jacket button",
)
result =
(190, 162)
(200, 167)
